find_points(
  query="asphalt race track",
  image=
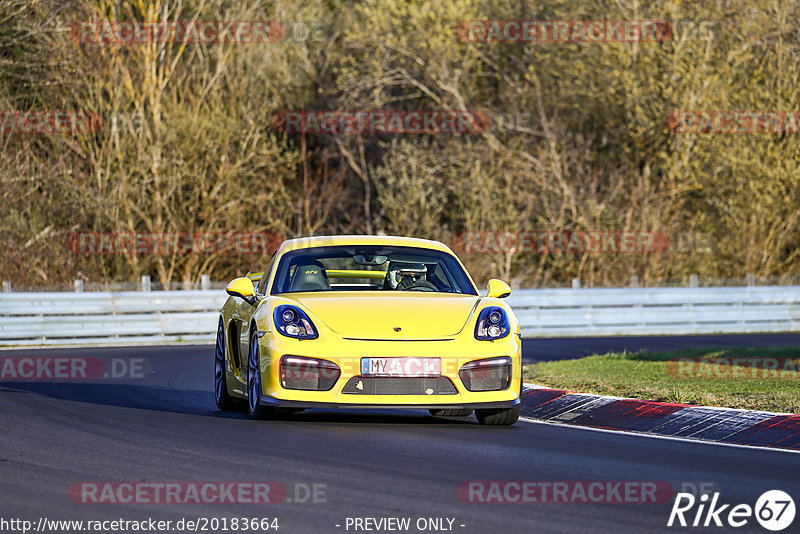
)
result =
(161, 425)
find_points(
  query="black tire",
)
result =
(289, 411)
(221, 395)
(451, 412)
(254, 407)
(502, 417)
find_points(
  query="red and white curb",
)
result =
(720, 425)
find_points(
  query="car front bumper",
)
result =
(347, 354)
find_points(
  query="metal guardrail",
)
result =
(657, 311)
(109, 317)
(157, 316)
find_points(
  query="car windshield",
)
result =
(370, 268)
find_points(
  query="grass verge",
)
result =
(754, 378)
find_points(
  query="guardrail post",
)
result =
(635, 281)
(145, 282)
(693, 281)
(205, 281)
(6, 286)
(751, 280)
(576, 283)
(78, 286)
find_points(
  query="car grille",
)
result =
(371, 385)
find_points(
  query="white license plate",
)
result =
(401, 366)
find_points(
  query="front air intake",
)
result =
(492, 374)
(371, 385)
(308, 374)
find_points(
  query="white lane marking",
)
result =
(656, 436)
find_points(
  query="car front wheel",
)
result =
(254, 380)
(498, 417)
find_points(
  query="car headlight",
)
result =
(492, 324)
(291, 321)
(490, 374)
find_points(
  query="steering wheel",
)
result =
(421, 285)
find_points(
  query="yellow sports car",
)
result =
(368, 322)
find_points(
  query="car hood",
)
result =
(418, 316)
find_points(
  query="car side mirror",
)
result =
(243, 289)
(498, 289)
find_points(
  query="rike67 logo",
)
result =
(774, 510)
